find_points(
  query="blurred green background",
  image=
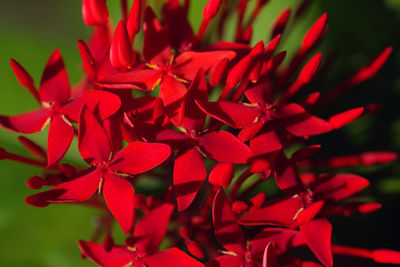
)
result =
(358, 30)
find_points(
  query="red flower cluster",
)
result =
(196, 110)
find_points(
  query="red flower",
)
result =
(142, 248)
(108, 172)
(58, 109)
(164, 69)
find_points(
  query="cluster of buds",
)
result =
(190, 116)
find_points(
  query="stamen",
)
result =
(122, 174)
(250, 104)
(201, 152)
(231, 253)
(171, 60)
(180, 79)
(183, 130)
(131, 248)
(297, 214)
(100, 185)
(47, 122)
(66, 120)
(157, 83)
(152, 66)
(47, 104)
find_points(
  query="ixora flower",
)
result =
(108, 173)
(141, 249)
(58, 107)
(190, 106)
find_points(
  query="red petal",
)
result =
(88, 61)
(193, 117)
(121, 53)
(77, 190)
(143, 107)
(310, 263)
(187, 181)
(312, 98)
(270, 259)
(259, 56)
(339, 186)
(280, 23)
(189, 63)
(258, 200)
(158, 112)
(172, 93)
(271, 46)
(171, 257)
(225, 261)
(117, 257)
(372, 67)
(151, 229)
(377, 157)
(274, 62)
(120, 198)
(241, 48)
(283, 239)
(309, 70)
(279, 212)
(139, 157)
(305, 153)
(59, 139)
(234, 114)
(134, 19)
(28, 123)
(113, 126)
(54, 86)
(94, 12)
(250, 131)
(155, 48)
(222, 174)
(317, 235)
(339, 120)
(286, 176)
(211, 9)
(224, 147)
(350, 209)
(308, 213)
(265, 143)
(227, 230)
(263, 149)
(239, 207)
(300, 123)
(24, 78)
(99, 42)
(93, 142)
(195, 249)
(177, 26)
(103, 104)
(386, 256)
(245, 65)
(173, 138)
(314, 33)
(141, 79)
(219, 72)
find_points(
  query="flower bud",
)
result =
(94, 12)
